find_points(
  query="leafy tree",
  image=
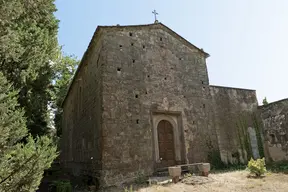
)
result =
(21, 164)
(28, 44)
(265, 102)
(64, 71)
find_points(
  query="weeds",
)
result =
(257, 167)
(62, 186)
(140, 179)
(229, 168)
(130, 189)
(279, 167)
(186, 175)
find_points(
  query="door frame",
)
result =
(175, 119)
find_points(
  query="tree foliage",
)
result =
(64, 71)
(21, 164)
(265, 102)
(31, 61)
(28, 44)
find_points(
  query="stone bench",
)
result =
(200, 168)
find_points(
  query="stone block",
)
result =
(204, 168)
(192, 169)
(175, 173)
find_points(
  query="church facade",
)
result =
(141, 100)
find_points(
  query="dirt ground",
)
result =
(236, 181)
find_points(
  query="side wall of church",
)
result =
(81, 142)
(148, 70)
(234, 111)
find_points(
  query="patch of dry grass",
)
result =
(236, 181)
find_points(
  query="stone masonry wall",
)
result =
(81, 142)
(275, 127)
(131, 76)
(148, 70)
(233, 111)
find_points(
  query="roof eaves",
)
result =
(161, 25)
(94, 37)
(186, 41)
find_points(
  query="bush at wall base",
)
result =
(257, 167)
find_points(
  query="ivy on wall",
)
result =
(258, 129)
(243, 135)
(243, 122)
(244, 140)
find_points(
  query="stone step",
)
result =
(161, 173)
(164, 171)
(196, 168)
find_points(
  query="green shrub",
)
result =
(281, 167)
(257, 167)
(141, 178)
(214, 159)
(63, 186)
(23, 159)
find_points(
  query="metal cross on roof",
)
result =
(155, 15)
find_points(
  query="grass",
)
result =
(229, 169)
(280, 167)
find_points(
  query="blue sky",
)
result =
(247, 39)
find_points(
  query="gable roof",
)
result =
(155, 26)
(101, 29)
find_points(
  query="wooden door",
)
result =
(166, 144)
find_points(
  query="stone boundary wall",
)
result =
(275, 128)
(233, 109)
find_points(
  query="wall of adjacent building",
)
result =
(275, 127)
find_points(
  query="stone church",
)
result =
(141, 100)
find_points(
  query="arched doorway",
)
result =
(166, 144)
